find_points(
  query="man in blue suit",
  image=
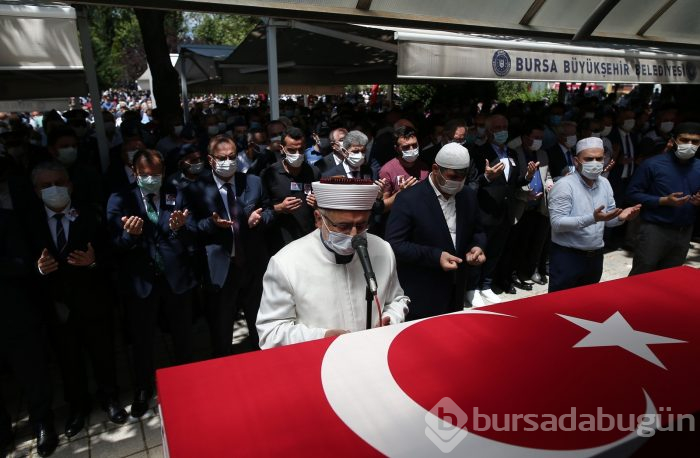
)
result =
(435, 232)
(153, 237)
(231, 210)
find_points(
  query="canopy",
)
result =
(657, 23)
(312, 58)
(39, 56)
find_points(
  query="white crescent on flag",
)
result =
(362, 391)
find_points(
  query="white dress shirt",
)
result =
(68, 217)
(449, 211)
(224, 195)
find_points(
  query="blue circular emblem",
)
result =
(501, 63)
(692, 71)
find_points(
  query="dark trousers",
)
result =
(85, 335)
(570, 268)
(142, 316)
(241, 290)
(660, 247)
(22, 344)
(532, 235)
(497, 239)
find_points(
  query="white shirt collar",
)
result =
(437, 191)
(220, 183)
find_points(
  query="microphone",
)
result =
(360, 245)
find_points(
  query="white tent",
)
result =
(40, 60)
(144, 82)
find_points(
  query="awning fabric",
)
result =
(39, 53)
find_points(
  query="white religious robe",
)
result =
(306, 293)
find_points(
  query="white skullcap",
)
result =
(588, 143)
(345, 196)
(453, 156)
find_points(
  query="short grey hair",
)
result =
(355, 137)
(52, 166)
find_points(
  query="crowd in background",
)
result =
(83, 239)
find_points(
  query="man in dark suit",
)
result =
(625, 142)
(231, 210)
(455, 131)
(21, 338)
(336, 156)
(66, 239)
(561, 155)
(153, 236)
(499, 176)
(435, 232)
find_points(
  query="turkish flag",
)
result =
(580, 373)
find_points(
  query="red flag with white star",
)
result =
(582, 372)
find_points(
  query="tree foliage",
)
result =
(521, 90)
(220, 29)
(120, 57)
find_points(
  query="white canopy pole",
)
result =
(273, 82)
(91, 74)
(183, 88)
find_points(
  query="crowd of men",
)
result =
(182, 220)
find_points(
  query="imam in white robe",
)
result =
(306, 292)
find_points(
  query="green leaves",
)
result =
(220, 29)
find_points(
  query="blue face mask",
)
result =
(500, 137)
(555, 120)
(149, 183)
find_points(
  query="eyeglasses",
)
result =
(347, 227)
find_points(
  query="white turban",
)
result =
(343, 196)
(588, 143)
(453, 156)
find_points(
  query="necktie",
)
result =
(569, 162)
(630, 154)
(233, 216)
(60, 233)
(153, 217)
(151, 208)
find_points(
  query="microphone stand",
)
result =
(370, 298)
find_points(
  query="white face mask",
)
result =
(451, 187)
(570, 141)
(340, 243)
(226, 168)
(666, 126)
(212, 130)
(606, 131)
(294, 160)
(536, 144)
(178, 130)
(55, 197)
(686, 151)
(595, 134)
(410, 155)
(628, 125)
(592, 169)
(355, 160)
(68, 155)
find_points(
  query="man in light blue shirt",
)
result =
(581, 205)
